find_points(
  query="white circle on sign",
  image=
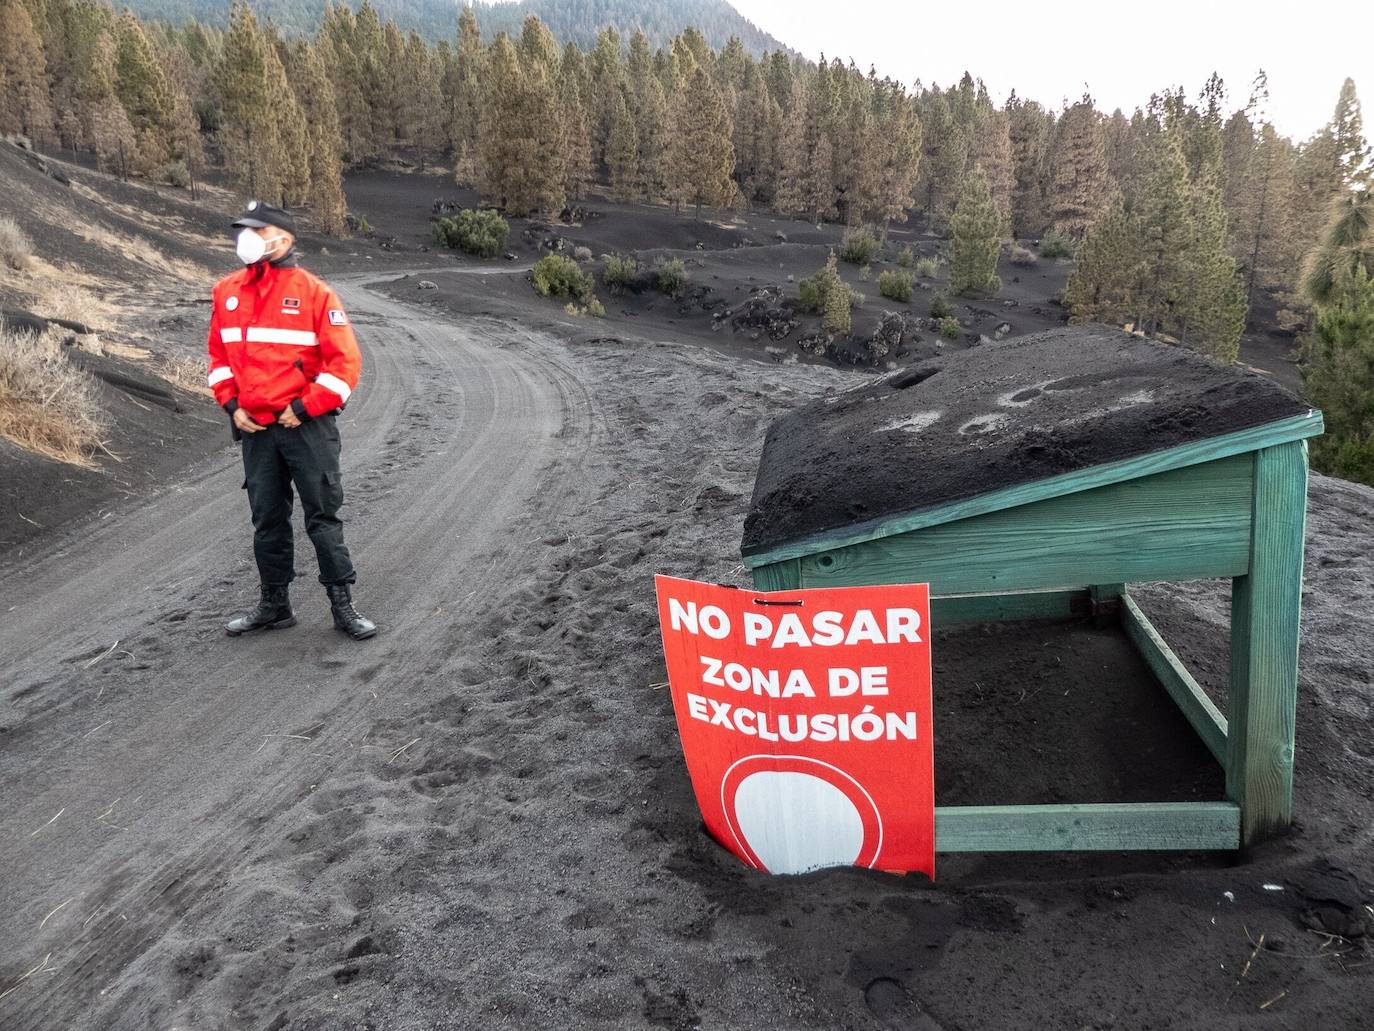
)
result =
(795, 822)
(231, 304)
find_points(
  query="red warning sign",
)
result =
(805, 719)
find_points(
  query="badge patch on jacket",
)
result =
(230, 303)
(337, 317)
(290, 302)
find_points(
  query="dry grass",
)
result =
(47, 405)
(185, 372)
(16, 249)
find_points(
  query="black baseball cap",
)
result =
(259, 215)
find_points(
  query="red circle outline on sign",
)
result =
(857, 794)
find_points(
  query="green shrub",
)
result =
(940, 308)
(860, 246)
(895, 284)
(1055, 244)
(595, 307)
(672, 277)
(906, 257)
(928, 268)
(479, 233)
(175, 173)
(557, 276)
(1022, 256)
(864, 272)
(618, 272)
(948, 327)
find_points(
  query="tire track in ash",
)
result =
(170, 758)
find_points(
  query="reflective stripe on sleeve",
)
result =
(220, 374)
(233, 335)
(295, 337)
(332, 382)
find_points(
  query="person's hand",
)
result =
(245, 422)
(288, 418)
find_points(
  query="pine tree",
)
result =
(976, 231)
(1347, 248)
(1028, 128)
(608, 83)
(325, 193)
(248, 134)
(701, 155)
(899, 133)
(464, 93)
(1347, 130)
(836, 317)
(1212, 309)
(577, 136)
(143, 89)
(520, 139)
(756, 120)
(1165, 235)
(394, 91)
(945, 143)
(1078, 182)
(372, 60)
(105, 123)
(538, 47)
(288, 124)
(1329, 165)
(622, 154)
(992, 152)
(1261, 204)
(186, 144)
(1338, 373)
(1107, 272)
(649, 109)
(793, 155)
(338, 38)
(25, 106)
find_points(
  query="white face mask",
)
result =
(251, 247)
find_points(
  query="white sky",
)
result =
(1124, 51)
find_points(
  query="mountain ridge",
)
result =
(576, 21)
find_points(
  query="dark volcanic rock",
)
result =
(993, 417)
(763, 314)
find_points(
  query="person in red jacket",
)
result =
(283, 363)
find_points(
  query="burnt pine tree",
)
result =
(1078, 182)
(325, 187)
(463, 88)
(622, 153)
(24, 102)
(702, 156)
(248, 133)
(976, 232)
(1028, 130)
(577, 136)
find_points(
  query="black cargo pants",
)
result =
(274, 458)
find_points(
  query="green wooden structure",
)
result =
(1231, 505)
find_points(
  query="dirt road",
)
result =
(143, 750)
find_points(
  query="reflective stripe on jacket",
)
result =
(277, 333)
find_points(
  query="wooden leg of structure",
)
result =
(1265, 607)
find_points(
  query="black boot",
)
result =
(273, 611)
(346, 617)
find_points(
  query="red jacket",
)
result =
(278, 334)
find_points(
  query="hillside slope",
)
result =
(578, 21)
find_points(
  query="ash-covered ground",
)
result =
(481, 818)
